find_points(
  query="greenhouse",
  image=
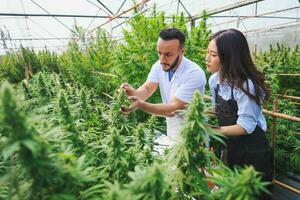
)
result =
(149, 99)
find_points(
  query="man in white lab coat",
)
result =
(177, 78)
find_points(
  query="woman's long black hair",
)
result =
(237, 65)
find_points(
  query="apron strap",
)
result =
(217, 91)
(216, 97)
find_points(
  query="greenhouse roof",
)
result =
(38, 23)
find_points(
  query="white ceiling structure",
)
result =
(40, 23)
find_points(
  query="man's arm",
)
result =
(143, 92)
(146, 90)
(163, 110)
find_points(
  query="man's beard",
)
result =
(173, 65)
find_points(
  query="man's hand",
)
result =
(128, 89)
(136, 103)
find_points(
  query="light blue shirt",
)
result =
(249, 113)
(187, 79)
(171, 73)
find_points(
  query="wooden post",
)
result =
(273, 130)
(192, 23)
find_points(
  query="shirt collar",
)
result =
(218, 77)
(225, 83)
(180, 68)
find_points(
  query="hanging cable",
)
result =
(120, 7)
(92, 21)
(48, 42)
(26, 22)
(98, 7)
(256, 16)
(55, 18)
(43, 28)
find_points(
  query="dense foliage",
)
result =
(281, 65)
(62, 135)
(69, 144)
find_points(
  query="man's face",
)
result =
(170, 53)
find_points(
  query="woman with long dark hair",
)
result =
(239, 90)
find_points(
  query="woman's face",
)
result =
(212, 59)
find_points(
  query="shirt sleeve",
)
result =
(196, 80)
(248, 110)
(153, 75)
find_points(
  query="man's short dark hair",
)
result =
(171, 34)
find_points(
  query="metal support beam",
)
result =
(189, 14)
(44, 38)
(228, 7)
(241, 17)
(256, 16)
(120, 7)
(127, 17)
(105, 7)
(177, 9)
(56, 15)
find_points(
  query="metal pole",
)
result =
(105, 7)
(56, 15)
(228, 7)
(120, 7)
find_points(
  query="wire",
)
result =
(44, 43)
(274, 27)
(105, 7)
(135, 15)
(92, 21)
(108, 13)
(189, 14)
(26, 23)
(139, 13)
(55, 18)
(120, 7)
(43, 38)
(40, 47)
(54, 15)
(98, 7)
(43, 28)
(257, 16)
(240, 20)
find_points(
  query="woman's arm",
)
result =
(232, 130)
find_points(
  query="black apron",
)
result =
(252, 149)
